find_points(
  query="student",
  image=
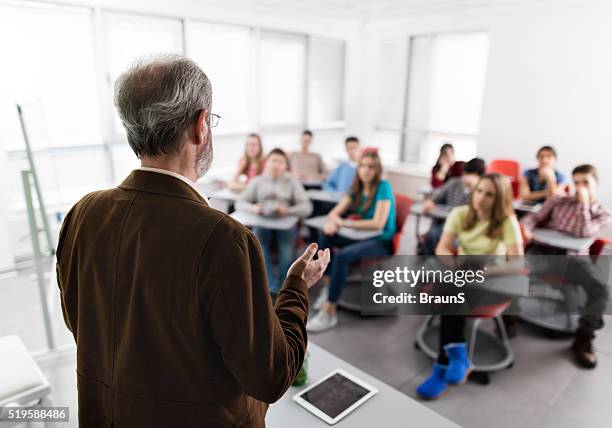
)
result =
(250, 164)
(539, 183)
(454, 192)
(275, 193)
(341, 178)
(487, 226)
(578, 215)
(372, 200)
(305, 165)
(445, 166)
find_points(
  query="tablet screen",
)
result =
(334, 395)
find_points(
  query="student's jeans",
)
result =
(348, 253)
(286, 253)
(432, 237)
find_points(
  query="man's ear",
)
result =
(201, 127)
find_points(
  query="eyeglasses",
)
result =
(214, 119)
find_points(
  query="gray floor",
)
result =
(543, 389)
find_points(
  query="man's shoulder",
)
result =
(225, 229)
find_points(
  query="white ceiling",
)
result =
(368, 10)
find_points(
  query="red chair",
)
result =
(509, 168)
(402, 210)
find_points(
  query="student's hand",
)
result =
(258, 209)
(236, 186)
(583, 195)
(308, 269)
(330, 228)
(560, 190)
(428, 206)
(282, 210)
(547, 173)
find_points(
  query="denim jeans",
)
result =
(432, 237)
(349, 252)
(286, 253)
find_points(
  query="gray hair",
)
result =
(158, 99)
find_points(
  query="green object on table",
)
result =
(302, 377)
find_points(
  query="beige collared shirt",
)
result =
(175, 175)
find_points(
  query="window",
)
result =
(225, 54)
(392, 65)
(446, 84)
(130, 37)
(56, 86)
(325, 82)
(281, 77)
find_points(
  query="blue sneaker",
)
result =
(434, 385)
(459, 366)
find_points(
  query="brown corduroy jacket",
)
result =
(169, 306)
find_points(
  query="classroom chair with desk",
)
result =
(556, 307)
(351, 296)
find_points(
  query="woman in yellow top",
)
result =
(486, 226)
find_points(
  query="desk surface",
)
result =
(561, 240)
(225, 195)
(347, 232)
(425, 190)
(440, 211)
(389, 408)
(254, 220)
(325, 196)
(526, 207)
(312, 183)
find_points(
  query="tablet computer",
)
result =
(335, 396)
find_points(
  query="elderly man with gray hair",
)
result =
(166, 297)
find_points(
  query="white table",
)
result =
(525, 206)
(347, 232)
(387, 409)
(312, 183)
(561, 240)
(425, 190)
(325, 196)
(255, 220)
(225, 195)
(440, 211)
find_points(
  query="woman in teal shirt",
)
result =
(370, 201)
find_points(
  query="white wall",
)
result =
(6, 253)
(549, 80)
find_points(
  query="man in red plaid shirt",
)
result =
(579, 215)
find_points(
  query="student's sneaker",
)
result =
(584, 352)
(321, 299)
(434, 385)
(322, 321)
(459, 366)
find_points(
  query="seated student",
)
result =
(250, 164)
(341, 178)
(445, 166)
(579, 215)
(455, 192)
(539, 183)
(275, 193)
(487, 226)
(371, 199)
(306, 165)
